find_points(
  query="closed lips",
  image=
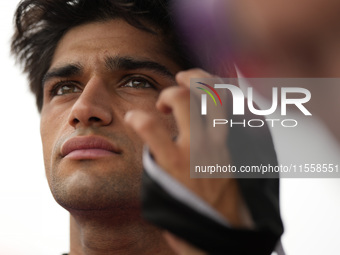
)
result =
(87, 143)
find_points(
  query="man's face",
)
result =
(99, 72)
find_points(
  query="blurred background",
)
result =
(31, 223)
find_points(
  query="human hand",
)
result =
(174, 155)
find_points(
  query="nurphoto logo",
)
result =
(239, 99)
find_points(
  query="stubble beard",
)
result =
(84, 190)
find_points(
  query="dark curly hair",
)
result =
(40, 24)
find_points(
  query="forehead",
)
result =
(92, 42)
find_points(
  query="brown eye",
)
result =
(64, 89)
(138, 84)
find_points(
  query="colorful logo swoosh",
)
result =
(209, 93)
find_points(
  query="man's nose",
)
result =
(92, 107)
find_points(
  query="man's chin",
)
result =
(96, 202)
(83, 191)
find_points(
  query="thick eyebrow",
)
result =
(112, 63)
(128, 63)
(63, 72)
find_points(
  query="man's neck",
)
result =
(97, 233)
